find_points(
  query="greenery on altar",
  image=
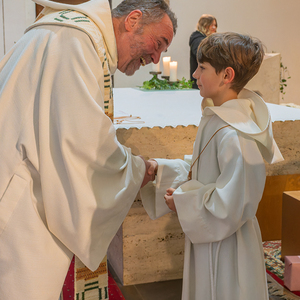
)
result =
(162, 84)
(284, 76)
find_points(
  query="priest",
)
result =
(66, 183)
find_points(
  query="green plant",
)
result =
(284, 76)
(162, 84)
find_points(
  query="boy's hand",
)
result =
(169, 199)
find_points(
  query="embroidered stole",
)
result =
(82, 22)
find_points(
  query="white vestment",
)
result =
(223, 257)
(66, 184)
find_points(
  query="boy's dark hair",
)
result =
(153, 11)
(241, 52)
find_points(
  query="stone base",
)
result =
(145, 250)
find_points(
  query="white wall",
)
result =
(275, 22)
(16, 15)
(1, 30)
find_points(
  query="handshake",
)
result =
(151, 170)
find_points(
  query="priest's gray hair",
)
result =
(153, 11)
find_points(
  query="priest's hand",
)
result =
(169, 199)
(151, 170)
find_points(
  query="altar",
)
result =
(163, 124)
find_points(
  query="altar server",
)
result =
(66, 183)
(216, 206)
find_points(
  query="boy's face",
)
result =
(209, 82)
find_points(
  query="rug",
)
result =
(107, 288)
(275, 272)
(83, 284)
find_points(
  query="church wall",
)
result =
(1, 30)
(15, 16)
(273, 21)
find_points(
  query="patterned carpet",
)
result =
(274, 267)
(275, 273)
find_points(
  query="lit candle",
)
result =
(155, 67)
(166, 64)
(173, 71)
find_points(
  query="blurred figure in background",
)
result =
(207, 25)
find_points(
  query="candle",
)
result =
(173, 71)
(166, 64)
(155, 67)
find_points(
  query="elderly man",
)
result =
(66, 184)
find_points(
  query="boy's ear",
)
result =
(229, 75)
(133, 19)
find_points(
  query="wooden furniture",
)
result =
(290, 242)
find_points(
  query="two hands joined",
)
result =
(151, 170)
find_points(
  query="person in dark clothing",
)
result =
(207, 25)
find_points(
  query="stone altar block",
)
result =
(267, 81)
(146, 250)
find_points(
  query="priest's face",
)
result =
(141, 45)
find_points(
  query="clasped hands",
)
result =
(151, 171)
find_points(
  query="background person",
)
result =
(66, 183)
(206, 25)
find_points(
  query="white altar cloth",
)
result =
(172, 108)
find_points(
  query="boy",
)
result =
(223, 249)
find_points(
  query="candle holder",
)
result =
(174, 81)
(165, 77)
(155, 73)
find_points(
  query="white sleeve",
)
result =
(170, 173)
(212, 212)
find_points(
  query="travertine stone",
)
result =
(266, 81)
(152, 250)
(172, 142)
(159, 142)
(286, 135)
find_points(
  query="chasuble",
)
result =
(66, 184)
